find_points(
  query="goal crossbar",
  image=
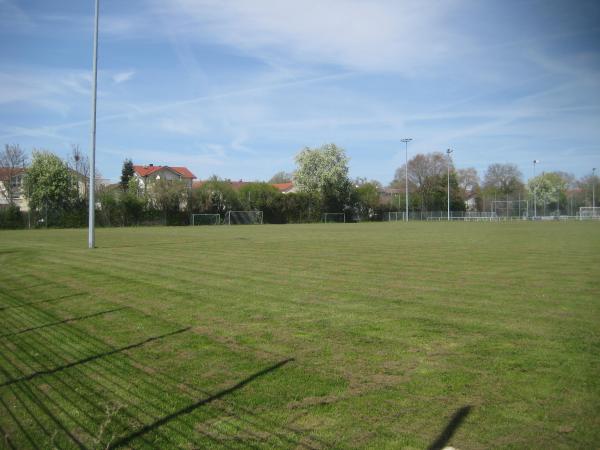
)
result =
(589, 212)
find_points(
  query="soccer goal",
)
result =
(243, 218)
(589, 212)
(206, 219)
(334, 217)
(394, 216)
(510, 208)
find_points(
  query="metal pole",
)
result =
(92, 201)
(448, 166)
(593, 192)
(406, 141)
(535, 161)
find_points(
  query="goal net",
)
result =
(589, 212)
(206, 219)
(334, 217)
(393, 216)
(510, 208)
(243, 218)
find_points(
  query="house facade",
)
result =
(11, 188)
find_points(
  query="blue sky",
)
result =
(237, 88)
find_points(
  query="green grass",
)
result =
(302, 336)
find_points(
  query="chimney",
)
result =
(151, 165)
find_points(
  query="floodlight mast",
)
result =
(92, 201)
(448, 152)
(406, 141)
(535, 161)
(593, 191)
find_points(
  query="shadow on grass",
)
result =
(90, 358)
(30, 304)
(72, 319)
(138, 395)
(445, 436)
(188, 409)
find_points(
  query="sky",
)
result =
(237, 88)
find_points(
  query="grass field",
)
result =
(389, 335)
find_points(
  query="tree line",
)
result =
(56, 191)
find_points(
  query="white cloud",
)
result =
(121, 77)
(183, 125)
(52, 90)
(370, 36)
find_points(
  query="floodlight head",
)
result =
(405, 140)
(448, 151)
(536, 161)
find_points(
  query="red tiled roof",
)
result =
(183, 171)
(144, 171)
(282, 187)
(6, 171)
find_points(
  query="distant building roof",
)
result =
(6, 171)
(284, 187)
(144, 171)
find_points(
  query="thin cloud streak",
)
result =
(143, 111)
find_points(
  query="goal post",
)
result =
(589, 212)
(243, 218)
(510, 208)
(334, 218)
(394, 216)
(206, 219)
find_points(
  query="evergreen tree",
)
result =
(126, 174)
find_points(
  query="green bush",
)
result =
(11, 217)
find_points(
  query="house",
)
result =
(285, 188)
(150, 173)
(14, 190)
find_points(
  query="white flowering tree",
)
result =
(323, 173)
(548, 189)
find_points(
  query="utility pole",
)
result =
(406, 141)
(92, 200)
(448, 152)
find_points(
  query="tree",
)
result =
(215, 196)
(262, 197)
(49, 184)
(126, 174)
(169, 196)
(468, 184)
(549, 189)
(80, 164)
(505, 179)
(281, 177)
(367, 196)
(427, 179)
(131, 205)
(13, 161)
(585, 187)
(323, 172)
